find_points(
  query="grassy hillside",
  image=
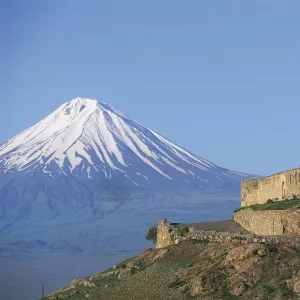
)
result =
(194, 270)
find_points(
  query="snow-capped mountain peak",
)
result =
(86, 179)
(88, 139)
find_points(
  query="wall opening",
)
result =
(283, 190)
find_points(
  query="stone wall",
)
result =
(171, 237)
(270, 222)
(164, 234)
(283, 185)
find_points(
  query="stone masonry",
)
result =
(164, 234)
(283, 185)
(270, 222)
(169, 236)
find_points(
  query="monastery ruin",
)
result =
(283, 185)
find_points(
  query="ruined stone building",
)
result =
(283, 185)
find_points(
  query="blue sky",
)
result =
(220, 78)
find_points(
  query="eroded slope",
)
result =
(196, 270)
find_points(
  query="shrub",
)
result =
(151, 235)
(182, 231)
(201, 241)
(273, 249)
(269, 289)
(176, 283)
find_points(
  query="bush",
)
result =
(269, 289)
(202, 241)
(182, 231)
(151, 235)
(273, 249)
(178, 282)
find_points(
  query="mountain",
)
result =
(87, 180)
(84, 137)
(86, 148)
(88, 139)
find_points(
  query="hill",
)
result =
(196, 270)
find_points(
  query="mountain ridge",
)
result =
(88, 181)
(87, 159)
(95, 137)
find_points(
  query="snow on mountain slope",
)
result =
(86, 179)
(86, 160)
(89, 139)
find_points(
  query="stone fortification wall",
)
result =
(283, 185)
(164, 234)
(171, 237)
(270, 222)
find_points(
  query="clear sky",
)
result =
(220, 78)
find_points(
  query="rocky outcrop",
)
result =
(239, 254)
(294, 283)
(196, 269)
(74, 283)
(198, 286)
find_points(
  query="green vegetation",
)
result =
(151, 235)
(182, 230)
(226, 294)
(176, 283)
(105, 279)
(269, 289)
(191, 271)
(273, 205)
(203, 241)
(273, 249)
